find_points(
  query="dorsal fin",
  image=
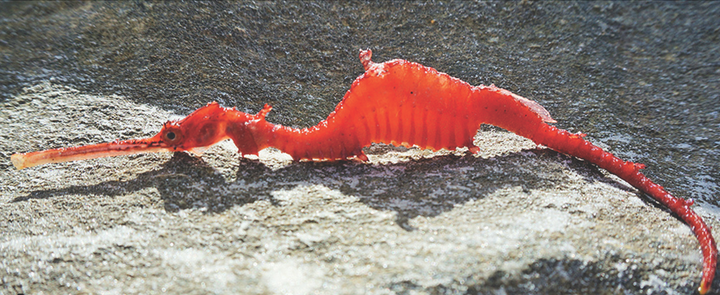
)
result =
(532, 105)
(265, 110)
(366, 58)
(536, 108)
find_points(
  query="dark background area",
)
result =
(640, 78)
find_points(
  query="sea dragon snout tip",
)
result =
(18, 160)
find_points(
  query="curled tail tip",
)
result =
(704, 287)
(366, 58)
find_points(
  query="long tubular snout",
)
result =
(108, 149)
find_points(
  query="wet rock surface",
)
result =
(515, 219)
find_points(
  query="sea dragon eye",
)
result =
(172, 135)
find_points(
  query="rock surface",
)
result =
(639, 78)
(513, 220)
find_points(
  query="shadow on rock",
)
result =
(568, 276)
(423, 187)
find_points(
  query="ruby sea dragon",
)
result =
(396, 102)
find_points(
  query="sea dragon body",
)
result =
(396, 102)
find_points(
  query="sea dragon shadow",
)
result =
(423, 187)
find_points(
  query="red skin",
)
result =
(396, 102)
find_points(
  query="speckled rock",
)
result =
(640, 78)
(514, 219)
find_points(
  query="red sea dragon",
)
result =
(396, 102)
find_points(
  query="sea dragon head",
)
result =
(194, 133)
(211, 124)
